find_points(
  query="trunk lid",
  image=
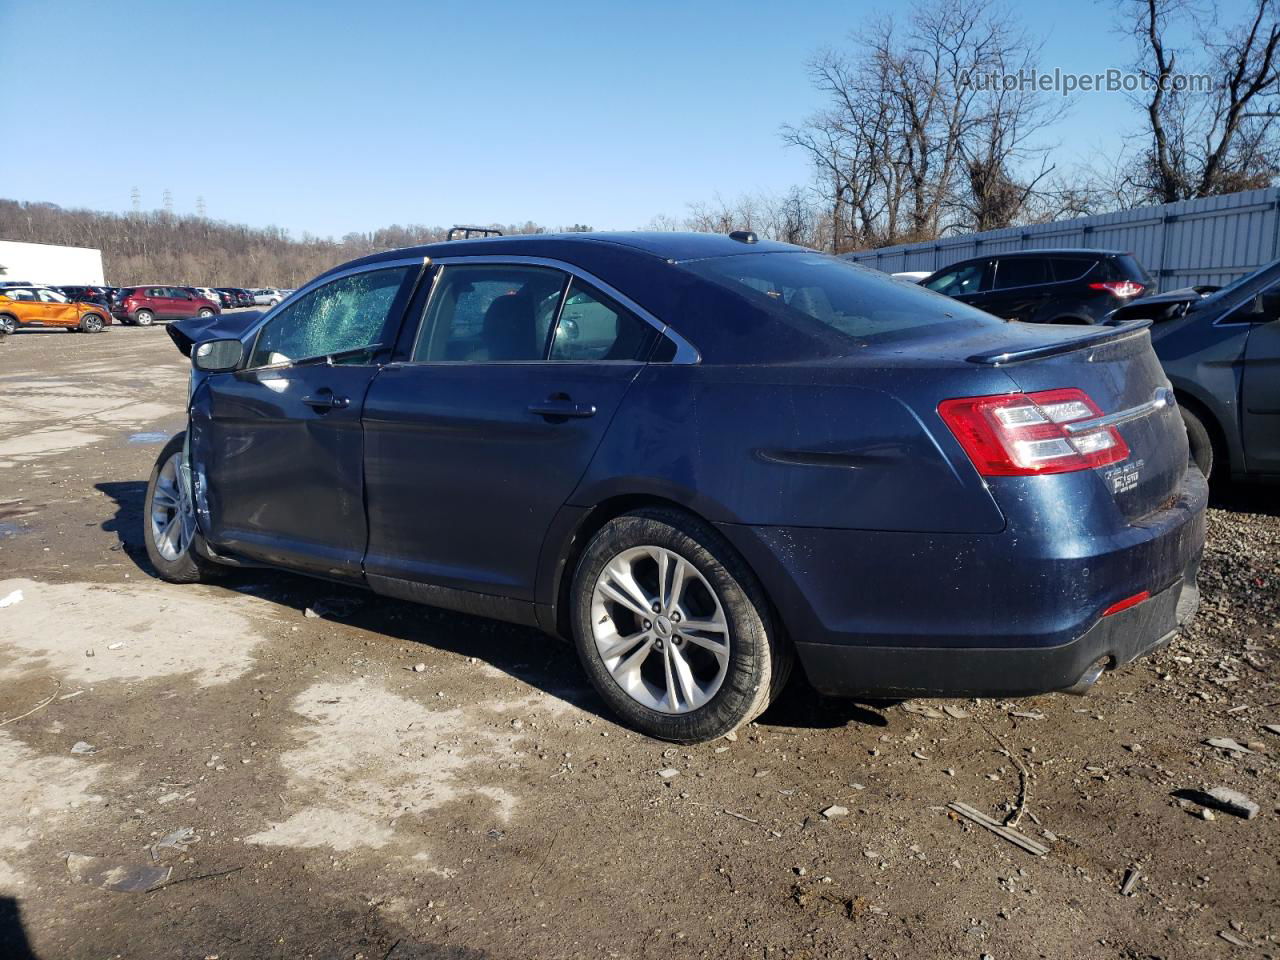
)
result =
(1123, 376)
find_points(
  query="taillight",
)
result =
(1120, 288)
(1023, 434)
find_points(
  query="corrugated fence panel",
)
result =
(1212, 240)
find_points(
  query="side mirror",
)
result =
(217, 356)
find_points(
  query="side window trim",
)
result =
(685, 351)
(250, 337)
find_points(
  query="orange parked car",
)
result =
(43, 307)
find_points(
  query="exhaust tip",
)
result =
(1088, 678)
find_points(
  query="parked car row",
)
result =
(1220, 348)
(226, 298)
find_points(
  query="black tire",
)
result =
(759, 658)
(144, 318)
(8, 324)
(1200, 442)
(189, 566)
(91, 323)
(205, 312)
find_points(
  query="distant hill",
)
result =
(162, 247)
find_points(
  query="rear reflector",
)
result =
(1125, 604)
(1120, 288)
(1021, 434)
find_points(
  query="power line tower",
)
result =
(135, 195)
(167, 200)
(200, 211)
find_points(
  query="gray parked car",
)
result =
(1221, 352)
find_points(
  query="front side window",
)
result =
(343, 316)
(490, 312)
(1020, 272)
(593, 327)
(52, 296)
(966, 278)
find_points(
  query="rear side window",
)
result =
(343, 316)
(593, 327)
(490, 312)
(852, 300)
(962, 278)
(1126, 267)
(1020, 272)
(1069, 268)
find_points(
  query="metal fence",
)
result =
(1212, 240)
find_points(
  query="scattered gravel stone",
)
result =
(1234, 802)
(1226, 743)
(668, 773)
(419, 668)
(835, 810)
(84, 748)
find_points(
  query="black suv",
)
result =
(1046, 286)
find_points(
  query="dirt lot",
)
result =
(350, 806)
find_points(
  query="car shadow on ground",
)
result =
(1247, 498)
(14, 944)
(542, 661)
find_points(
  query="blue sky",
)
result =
(332, 117)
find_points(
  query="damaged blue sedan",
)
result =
(700, 459)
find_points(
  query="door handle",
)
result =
(562, 408)
(325, 400)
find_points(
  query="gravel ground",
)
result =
(348, 804)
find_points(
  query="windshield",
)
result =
(861, 303)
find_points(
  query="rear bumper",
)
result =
(876, 613)
(845, 670)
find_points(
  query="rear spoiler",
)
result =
(996, 358)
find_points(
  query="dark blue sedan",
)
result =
(700, 458)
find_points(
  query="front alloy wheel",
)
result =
(169, 520)
(673, 629)
(205, 312)
(91, 323)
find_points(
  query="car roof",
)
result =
(662, 245)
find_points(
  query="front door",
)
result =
(474, 443)
(1260, 395)
(277, 446)
(56, 310)
(1018, 288)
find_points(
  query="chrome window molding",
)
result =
(685, 351)
(250, 337)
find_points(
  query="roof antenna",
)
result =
(744, 236)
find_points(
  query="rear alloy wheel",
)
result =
(169, 520)
(673, 628)
(8, 324)
(91, 323)
(205, 313)
(144, 318)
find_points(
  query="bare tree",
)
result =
(916, 139)
(1206, 143)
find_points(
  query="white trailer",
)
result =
(50, 263)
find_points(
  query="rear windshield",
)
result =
(1128, 268)
(863, 304)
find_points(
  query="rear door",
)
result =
(478, 438)
(1019, 286)
(278, 446)
(1260, 394)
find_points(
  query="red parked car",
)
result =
(144, 305)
